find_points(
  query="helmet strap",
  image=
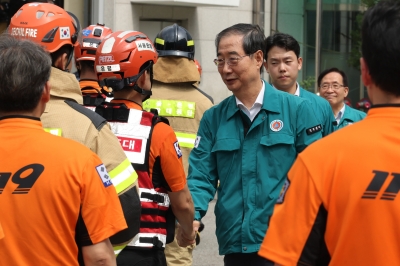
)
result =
(145, 93)
(69, 61)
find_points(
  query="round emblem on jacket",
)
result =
(276, 125)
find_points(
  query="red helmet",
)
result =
(364, 103)
(46, 24)
(120, 57)
(347, 101)
(89, 40)
(198, 66)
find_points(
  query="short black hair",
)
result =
(65, 49)
(282, 40)
(86, 66)
(253, 37)
(380, 46)
(330, 70)
(24, 70)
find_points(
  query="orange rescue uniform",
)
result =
(45, 182)
(1, 232)
(162, 146)
(342, 195)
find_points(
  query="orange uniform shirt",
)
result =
(342, 193)
(45, 182)
(162, 146)
(1, 232)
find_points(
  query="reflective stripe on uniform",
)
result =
(136, 240)
(54, 131)
(123, 176)
(118, 249)
(185, 139)
(171, 107)
(92, 108)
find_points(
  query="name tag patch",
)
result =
(314, 129)
(105, 178)
(178, 149)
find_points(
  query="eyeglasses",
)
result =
(231, 61)
(334, 86)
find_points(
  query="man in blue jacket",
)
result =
(332, 84)
(283, 63)
(248, 142)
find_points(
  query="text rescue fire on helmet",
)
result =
(46, 24)
(122, 58)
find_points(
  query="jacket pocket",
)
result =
(277, 153)
(277, 139)
(225, 152)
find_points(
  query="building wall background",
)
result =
(202, 22)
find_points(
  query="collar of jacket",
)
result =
(173, 69)
(348, 114)
(65, 85)
(270, 103)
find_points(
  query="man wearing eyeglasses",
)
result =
(283, 63)
(248, 142)
(332, 84)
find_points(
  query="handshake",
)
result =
(185, 240)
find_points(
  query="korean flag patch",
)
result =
(105, 178)
(64, 33)
(178, 149)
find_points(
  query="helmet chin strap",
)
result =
(68, 61)
(145, 93)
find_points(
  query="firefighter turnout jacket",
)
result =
(64, 116)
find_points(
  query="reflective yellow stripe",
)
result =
(186, 140)
(54, 131)
(160, 41)
(190, 43)
(123, 176)
(171, 107)
(118, 249)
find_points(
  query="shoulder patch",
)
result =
(97, 120)
(105, 178)
(197, 141)
(283, 192)
(314, 129)
(178, 149)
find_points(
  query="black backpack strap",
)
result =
(117, 112)
(96, 119)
